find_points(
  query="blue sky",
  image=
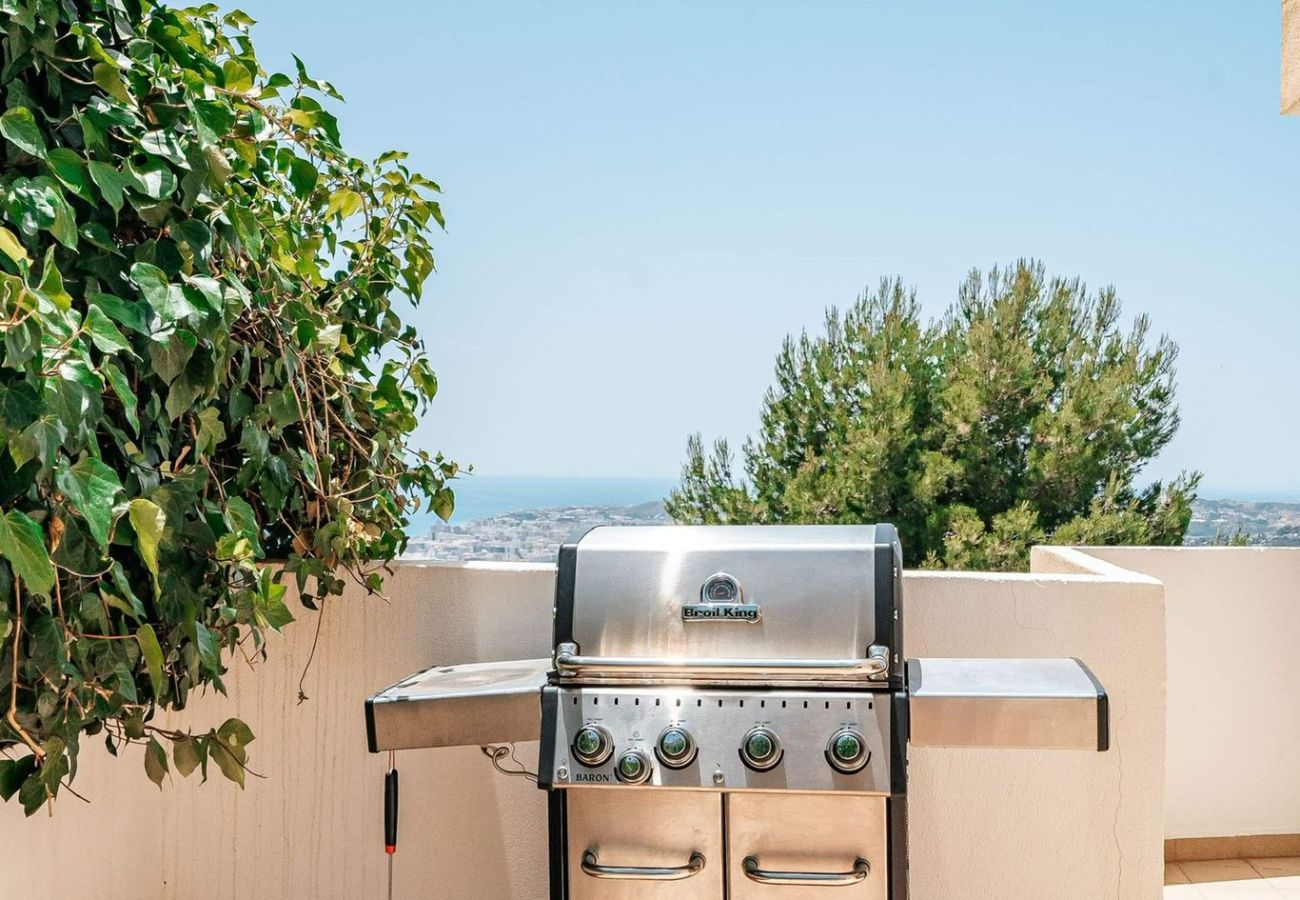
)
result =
(644, 198)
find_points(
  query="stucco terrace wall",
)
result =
(1070, 826)
(1233, 614)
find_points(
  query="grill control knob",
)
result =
(675, 748)
(760, 750)
(592, 745)
(847, 751)
(633, 767)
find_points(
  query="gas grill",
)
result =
(728, 709)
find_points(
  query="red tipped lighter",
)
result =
(390, 822)
(390, 812)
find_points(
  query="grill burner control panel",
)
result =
(716, 739)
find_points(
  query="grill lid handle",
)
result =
(875, 666)
(861, 869)
(592, 867)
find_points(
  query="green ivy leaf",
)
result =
(104, 333)
(236, 74)
(273, 608)
(40, 441)
(64, 223)
(106, 76)
(163, 143)
(148, 521)
(19, 128)
(11, 247)
(111, 183)
(155, 762)
(31, 205)
(153, 178)
(212, 120)
(209, 648)
(344, 203)
(13, 772)
(235, 733)
(211, 431)
(444, 503)
(22, 543)
(51, 286)
(19, 405)
(185, 756)
(154, 286)
(46, 647)
(234, 548)
(247, 229)
(68, 166)
(424, 378)
(170, 355)
(241, 519)
(196, 235)
(129, 314)
(302, 175)
(229, 759)
(92, 487)
(122, 389)
(152, 652)
(218, 165)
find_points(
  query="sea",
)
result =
(481, 496)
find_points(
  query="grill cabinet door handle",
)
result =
(874, 665)
(861, 869)
(642, 873)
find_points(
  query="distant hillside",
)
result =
(1266, 524)
(532, 535)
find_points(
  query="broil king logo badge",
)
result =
(721, 600)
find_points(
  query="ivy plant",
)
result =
(206, 386)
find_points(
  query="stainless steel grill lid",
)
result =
(723, 604)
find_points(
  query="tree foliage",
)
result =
(1024, 415)
(202, 367)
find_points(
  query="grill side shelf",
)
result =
(1007, 703)
(459, 706)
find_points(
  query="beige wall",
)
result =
(1063, 825)
(313, 828)
(985, 824)
(1233, 617)
(1291, 57)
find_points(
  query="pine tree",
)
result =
(1023, 416)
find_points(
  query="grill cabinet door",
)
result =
(792, 846)
(638, 844)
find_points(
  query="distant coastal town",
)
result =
(533, 535)
(527, 535)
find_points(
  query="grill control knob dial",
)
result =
(760, 750)
(847, 751)
(633, 767)
(675, 748)
(592, 745)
